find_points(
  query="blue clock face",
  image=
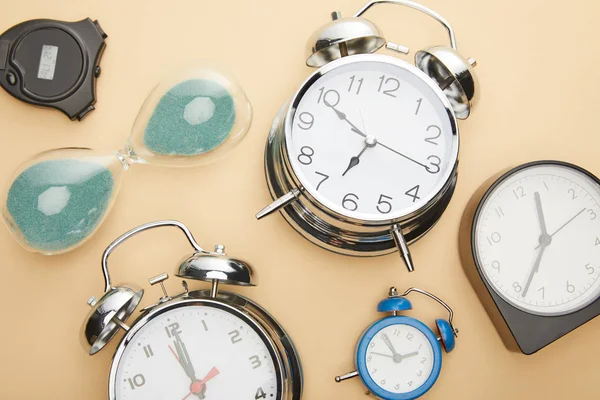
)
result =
(399, 358)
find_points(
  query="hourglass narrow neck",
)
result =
(127, 157)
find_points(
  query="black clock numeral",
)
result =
(433, 139)
(330, 98)
(260, 394)
(137, 381)
(173, 330)
(349, 202)
(307, 120)
(384, 206)
(496, 265)
(593, 215)
(148, 351)
(325, 177)
(305, 156)
(414, 193)
(543, 290)
(255, 360)
(419, 107)
(435, 162)
(517, 287)
(235, 336)
(359, 82)
(392, 85)
(494, 238)
(590, 269)
(572, 193)
(570, 288)
(519, 192)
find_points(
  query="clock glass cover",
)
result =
(406, 370)
(536, 238)
(372, 140)
(226, 357)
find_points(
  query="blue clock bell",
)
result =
(399, 357)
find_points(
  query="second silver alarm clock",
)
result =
(363, 159)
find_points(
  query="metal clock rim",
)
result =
(393, 218)
(190, 301)
(376, 327)
(506, 175)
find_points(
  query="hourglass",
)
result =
(57, 200)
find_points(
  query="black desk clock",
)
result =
(53, 64)
(534, 242)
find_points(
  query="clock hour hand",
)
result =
(388, 343)
(183, 357)
(414, 353)
(370, 141)
(544, 241)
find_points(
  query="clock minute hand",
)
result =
(403, 155)
(565, 225)
(184, 358)
(343, 117)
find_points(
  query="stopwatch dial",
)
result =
(373, 140)
(536, 238)
(197, 352)
(399, 358)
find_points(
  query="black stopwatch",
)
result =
(53, 64)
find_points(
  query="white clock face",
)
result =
(198, 352)
(372, 140)
(537, 239)
(399, 358)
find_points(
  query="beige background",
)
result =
(538, 68)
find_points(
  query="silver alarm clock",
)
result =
(363, 159)
(206, 344)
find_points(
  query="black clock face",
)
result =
(536, 244)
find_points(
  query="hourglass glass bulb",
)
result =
(57, 200)
(193, 116)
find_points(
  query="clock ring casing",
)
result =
(333, 230)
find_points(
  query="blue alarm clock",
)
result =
(399, 357)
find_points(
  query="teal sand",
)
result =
(57, 204)
(192, 118)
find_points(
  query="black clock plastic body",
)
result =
(53, 64)
(520, 330)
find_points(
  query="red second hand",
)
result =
(198, 385)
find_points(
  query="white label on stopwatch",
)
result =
(411, 366)
(372, 140)
(228, 359)
(537, 239)
(47, 62)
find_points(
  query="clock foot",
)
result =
(279, 203)
(349, 375)
(403, 247)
